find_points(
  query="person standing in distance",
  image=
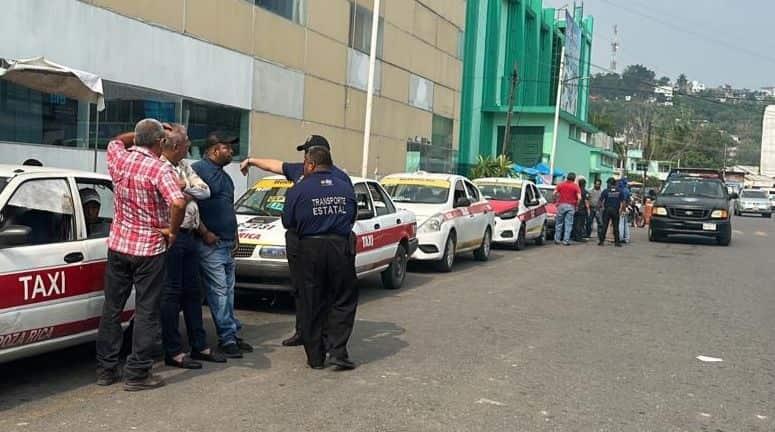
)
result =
(612, 200)
(293, 171)
(321, 209)
(594, 207)
(568, 196)
(149, 209)
(216, 261)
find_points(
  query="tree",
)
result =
(604, 122)
(488, 166)
(639, 79)
(683, 83)
(664, 81)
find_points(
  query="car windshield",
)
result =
(3, 182)
(694, 187)
(264, 199)
(420, 192)
(548, 194)
(755, 194)
(500, 192)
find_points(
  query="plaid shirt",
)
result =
(144, 188)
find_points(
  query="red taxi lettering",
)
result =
(37, 286)
(368, 241)
(26, 337)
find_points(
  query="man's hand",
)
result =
(245, 165)
(128, 138)
(169, 236)
(210, 239)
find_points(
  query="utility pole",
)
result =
(725, 156)
(507, 133)
(370, 89)
(646, 166)
(557, 112)
(614, 48)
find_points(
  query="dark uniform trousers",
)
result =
(610, 215)
(292, 247)
(328, 295)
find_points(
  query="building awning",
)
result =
(48, 77)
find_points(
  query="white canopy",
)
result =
(48, 77)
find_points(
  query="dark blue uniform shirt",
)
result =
(320, 204)
(612, 197)
(217, 212)
(294, 171)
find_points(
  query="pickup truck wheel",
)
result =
(655, 237)
(445, 264)
(393, 276)
(483, 253)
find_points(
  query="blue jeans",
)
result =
(218, 277)
(624, 227)
(564, 222)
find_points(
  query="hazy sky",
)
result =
(713, 41)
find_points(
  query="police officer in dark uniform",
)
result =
(321, 209)
(293, 171)
(612, 200)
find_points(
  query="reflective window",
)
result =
(358, 71)
(473, 193)
(362, 198)
(360, 29)
(45, 207)
(126, 105)
(421, 92)
(29, 116)
(289, 9)
(381, 202)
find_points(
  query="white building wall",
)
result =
(767, 163)
(95, 40)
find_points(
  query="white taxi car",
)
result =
(386, 236)
(520, 210)
(452, 215)
(52, 259)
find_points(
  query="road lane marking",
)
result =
(761, 417)
(761, 233)
(483, 401)
(738, 232)
(707, 359)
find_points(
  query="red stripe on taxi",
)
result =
(384, 237)
(26, 337)
(532, 213)
(53, 283)
(467, 211)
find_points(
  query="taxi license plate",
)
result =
(708, 227)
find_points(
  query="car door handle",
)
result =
(73, 257)
(376, 226)
(398, 221)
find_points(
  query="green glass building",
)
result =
(502, 34)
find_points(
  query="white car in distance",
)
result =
(452, 215)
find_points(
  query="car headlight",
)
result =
(272, 252)
(511, 214)
(719, 214)
(433, 224)
(660, 211)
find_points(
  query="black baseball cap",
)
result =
(220, 137)
(314, 141)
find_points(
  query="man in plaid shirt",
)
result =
(149, 209)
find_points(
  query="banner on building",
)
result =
(570, 87)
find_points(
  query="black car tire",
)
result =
(483, 252)
(767, 215)
(655, 236)
(539, 241)
(444, 265)
(724, 239)
(393, 276)
(520, 242)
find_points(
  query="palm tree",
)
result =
(488, 166)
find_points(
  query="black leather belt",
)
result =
(325, 237)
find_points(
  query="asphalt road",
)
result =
(578, 338)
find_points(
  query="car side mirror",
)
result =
(462, 202)
(14, 235)
(734, 196)
(364, 214)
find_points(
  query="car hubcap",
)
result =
(450, 252)
(486, 244)
(399, 265)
